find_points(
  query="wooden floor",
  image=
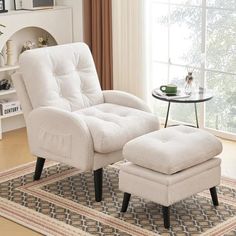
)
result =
(14, 151)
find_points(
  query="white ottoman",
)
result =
(169, 165)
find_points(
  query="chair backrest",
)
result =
(62, 76)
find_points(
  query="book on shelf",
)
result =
(9, 107)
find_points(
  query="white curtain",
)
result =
(129, 53)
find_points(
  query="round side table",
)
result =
(194, 98)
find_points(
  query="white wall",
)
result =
(9, 4)
(77, 6)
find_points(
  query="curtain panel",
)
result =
(129, 47)
(98, 35)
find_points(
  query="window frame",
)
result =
(202, 68)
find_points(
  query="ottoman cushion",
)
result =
(173, 149)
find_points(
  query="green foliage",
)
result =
(220, 56)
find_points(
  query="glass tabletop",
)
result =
(195, 97)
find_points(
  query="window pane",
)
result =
(185, 49)
(159, 75)
(221, 110)
(178, 74)
(159, 31)
(182, 112)
(159, 107)
(159, 1)
(188, 2)
(185, 35)
(221, 40)
(230, 4)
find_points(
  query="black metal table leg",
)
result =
(125, 202)
(39, 168)
(166, 216)
(167, 114)
(98, 176)
(214, 196)
(196, 115)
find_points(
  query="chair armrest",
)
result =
(61, 136)
(125, 99)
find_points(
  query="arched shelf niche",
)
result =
(27, 34)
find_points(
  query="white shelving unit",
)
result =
(9, 68)
(11, 115)
(23, 26)
(7, 92)
(4, 93)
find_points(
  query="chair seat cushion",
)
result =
(173, 149)
(111, 126)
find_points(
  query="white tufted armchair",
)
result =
(69, 118)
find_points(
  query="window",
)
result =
(198, 34)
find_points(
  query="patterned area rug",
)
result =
(62, 203)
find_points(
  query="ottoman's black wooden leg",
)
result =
(214, 196)
(125, 202)
(39, 168)
(166, 216)
(98, 176)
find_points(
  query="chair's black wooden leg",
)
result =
(39, 168)
(125, 202)
(166, 216)
(98, 174)
(214, 196)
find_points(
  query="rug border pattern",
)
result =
(17, 213)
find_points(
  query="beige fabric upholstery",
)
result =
(173, 149)
(22, 94)
(64, 77)
(124, 99)
(101, 160)
(112, 126)
(61, 136)
(170, 165)
(69, 119)
(169, 189)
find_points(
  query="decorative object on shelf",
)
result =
(1, 25)
(43, 41)
(5, 84)
(2, 6)
(18, 5)
(2, 59)
(188, 87)
(10, 53)
(9, 107)
(37, 4)
(28, 46)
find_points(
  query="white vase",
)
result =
(10, 53)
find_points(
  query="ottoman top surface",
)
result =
(172, 149)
